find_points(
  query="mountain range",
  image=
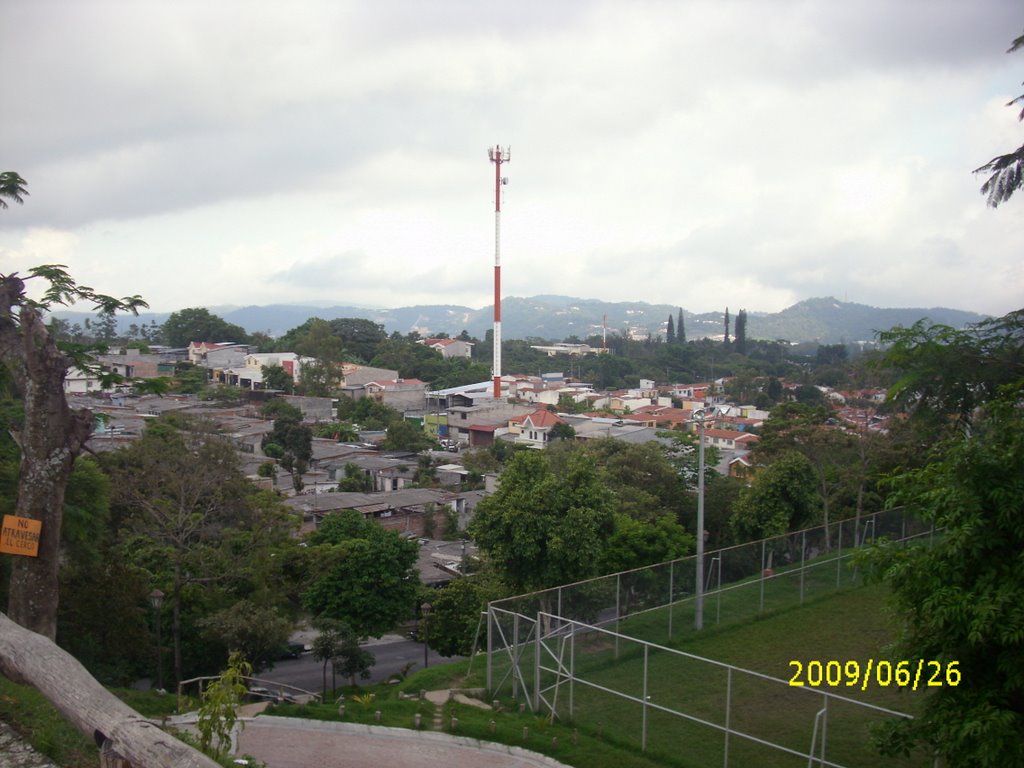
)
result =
(823, 320)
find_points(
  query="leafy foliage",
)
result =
(365, 575)
(219, 710)
(276, 377)
(963, 598)
(12, 187)
(782, 498)
(256, 632)
(540, 529)
(406, 436)
(1006, 172)
(185, 514)
(199, 324)
(634, 543)
(293, 438)
(451, 628)
(944, 373)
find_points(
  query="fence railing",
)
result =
(595, 651)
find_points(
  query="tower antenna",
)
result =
(498, 156)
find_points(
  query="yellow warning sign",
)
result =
(20, 536)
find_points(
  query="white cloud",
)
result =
(698, 153)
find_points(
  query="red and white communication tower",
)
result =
(498, 156)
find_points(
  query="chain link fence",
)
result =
(595, 653)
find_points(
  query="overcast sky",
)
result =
(748, 154)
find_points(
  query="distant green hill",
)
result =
(825, 320)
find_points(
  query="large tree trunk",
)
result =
(34, 659)
(52, 437)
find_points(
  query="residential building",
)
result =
(79, 382)
(449, 347)
(400, 394)
(533, 429)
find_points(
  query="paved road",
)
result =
(290, 743)
(392, 653)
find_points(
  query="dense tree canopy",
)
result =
(541, 529)
(186, 515)
(945, 373)
(199, 324)
(962, 599)
(365, 575)
(782, 498)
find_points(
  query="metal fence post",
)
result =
(490, 651)
(718, 594)
(618, 610)
(803, 549)
(643, 719)
(728, 712)
(671, 594)
(824, 733)
(537, 647)
(764, 543)
(839, 557)
(572, 667)
(515, 656)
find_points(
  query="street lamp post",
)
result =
(700, 415)
(156, 599)
(424, 612)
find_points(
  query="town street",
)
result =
(392, 651)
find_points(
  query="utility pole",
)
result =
(498, 156)
(700, 415)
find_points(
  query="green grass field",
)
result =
(848, 626)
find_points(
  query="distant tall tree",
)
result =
(1006, 171)
(296, 442)
(359, 337)
(680, 328)
(741, 332)
(540, 528)
(199, 324)
(276, 377)
(365, 575)
(320, 376)
(727, 326)
(106, 327)
(670, 334)
(783, 497)
(12, 186)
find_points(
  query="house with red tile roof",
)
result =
(449, 347)
(730, 439)
(533, 429)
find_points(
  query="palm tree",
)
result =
(1006, 172)
(12, 186)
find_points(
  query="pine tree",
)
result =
(670, 334)
(741, 332)
(680, 328)
(727, 326)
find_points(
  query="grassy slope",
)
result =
(32, 716)
(851, 625)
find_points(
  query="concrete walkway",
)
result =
(285, 742)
